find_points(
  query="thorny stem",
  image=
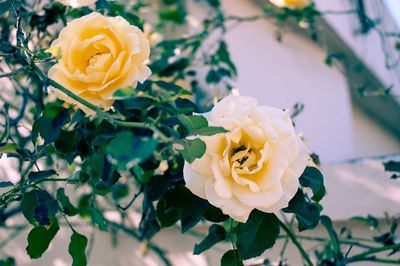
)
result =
(13, 73)
(98, 111)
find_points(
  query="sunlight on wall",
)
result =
(394, 7)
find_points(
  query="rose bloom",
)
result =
(291, 3)
(77, 3)
(99, 55)
(256, 165)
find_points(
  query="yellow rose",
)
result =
(99, 55)
(256, 165)
(291, 3)
(77, 3)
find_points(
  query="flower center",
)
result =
(243, 156)
(98, 62)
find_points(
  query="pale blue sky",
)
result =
(394, 6)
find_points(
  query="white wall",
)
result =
(368, 47)
(281, 74)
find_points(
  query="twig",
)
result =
(14, 72)
(296, 243)
(367, 254)
(135, 196)
(283, 250)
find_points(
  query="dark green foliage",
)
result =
(77, 248)
(9, 261)
(393, 166)
(198, 125)
(176, 13)
(126, 149)
(215, 215)
(307, 213)
(192, 149)
(216, 233)
(66, 205)
(180, 204)
(39, 207)
(313, 179)
(258, 234)
(39, 239)
(49, 125)
(4, 184)
(231, 258)
(149, 225)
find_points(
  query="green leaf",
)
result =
(176, 14)
(39, 239)
(43, 54)
(198, 125)
(313, 179)
(180, 202)
(209, 131)
(306, 213)
(141, 175)
(193, 122)
(77, 248)
(192, 149)
(231, 258)
(216, 233)
(258, 234)
(396, 45)
(392, 166)
(98, 219)
(41, 175)
(38, 207)
(148, 225)
(193, 213)
(214, 3)
(126, 149)
(67, 207)
(224, 56)
(8, 261)
(4, 7)
(166, 214)
(124, 93)
(172, 88)
(213, 77)
(102, 139)
(4, 184)
(8, 148)
(49, 125)
(215, 215)
(370, 220)
(335, 243)
(119, 191)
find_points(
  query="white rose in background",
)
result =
(256, 165)
(291, 3)
(77, 3)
